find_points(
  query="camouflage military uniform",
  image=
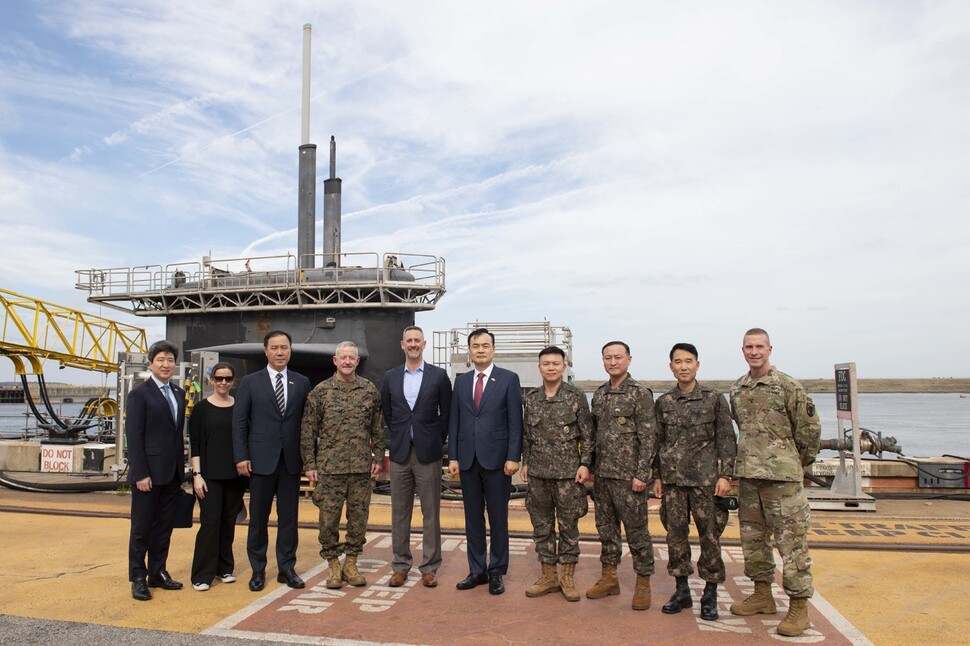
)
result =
(341, 437)
(779, 435)
(625, 440)
(696, 446)
(556, 440)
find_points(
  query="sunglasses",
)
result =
(220, 379)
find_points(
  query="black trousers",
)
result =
(262, 488)
(217, 528)
(152, 515)
(486, 490)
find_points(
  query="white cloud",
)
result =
(637, 170)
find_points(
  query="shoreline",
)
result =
(939, 386)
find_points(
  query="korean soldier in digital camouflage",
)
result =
(779, 436)
(342, 440)
(625, 440)
(557, 452)
(696, 451)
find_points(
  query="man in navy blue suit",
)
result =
(154, 415)
(266, 446)
(484, 447)
(416, 400)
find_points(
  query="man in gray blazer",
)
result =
(266, 444)
(484, 447)
(416, 400)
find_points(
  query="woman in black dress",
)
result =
(216, 483)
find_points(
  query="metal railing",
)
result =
(368, 279)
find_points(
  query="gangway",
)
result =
(517, 346)
(34, 331)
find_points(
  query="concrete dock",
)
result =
(897, 576)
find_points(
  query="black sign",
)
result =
(843, 399)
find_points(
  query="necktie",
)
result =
(280, 395)
(170, 398)
(479, 387)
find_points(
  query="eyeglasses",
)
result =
(220, 379)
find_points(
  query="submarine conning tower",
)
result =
(227, 305)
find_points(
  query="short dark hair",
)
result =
(756, 331)
(162, 346)
(410, 328)
(552, 349)
(686, 347)
(625, 347)
(222, 365)
(270, 335)
(479, 332)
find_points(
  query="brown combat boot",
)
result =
(607, 584)
(546, 583)
(796, 622)
(760, 602)
(334, 579)
(566, 581)
(641, 594)
(350, 572)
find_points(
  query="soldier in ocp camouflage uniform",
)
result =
(696, 451)
(625, 439)
(556, 455)
(779, 436)
(342, 441)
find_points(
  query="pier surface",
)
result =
(897, 576)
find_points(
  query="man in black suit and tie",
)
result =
(266, 445)
(416, 400)
(154, 415)
(484, 446)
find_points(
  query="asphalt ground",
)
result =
(64, 558)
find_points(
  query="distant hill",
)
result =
(961, 385)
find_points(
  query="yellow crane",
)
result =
(33, 331)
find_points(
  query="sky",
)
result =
(646, 171)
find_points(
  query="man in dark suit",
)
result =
(154, 415)
(484, 446)
(266, 445)
(416, 400)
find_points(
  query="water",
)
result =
(925, 424)
(14, 418)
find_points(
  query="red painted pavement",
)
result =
(413, 614)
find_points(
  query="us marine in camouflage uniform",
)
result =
(625, 439)
(556, 455)
(696, 451)
(342, 440)
(779, 435)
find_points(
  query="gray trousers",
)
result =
(425, 480)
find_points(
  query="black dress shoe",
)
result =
(472, 580)
(164, 581)
(290, 578)
(709, 602)
(495, 585)
(140, 591)
(258, 582)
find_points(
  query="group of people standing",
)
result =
(683, 448)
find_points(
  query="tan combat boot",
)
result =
(641, 594)
(546, 583)
(796, 622)
(334, 579)
(607, 584)
(760, 602)
(567, 582)
(350, 572)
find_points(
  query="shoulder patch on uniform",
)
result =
(810, 409)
